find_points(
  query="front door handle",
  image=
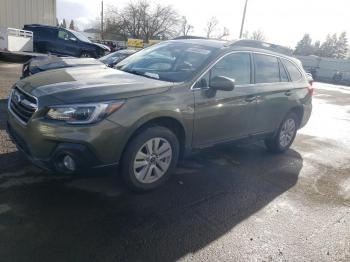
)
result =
(288, 93)
(250, 99)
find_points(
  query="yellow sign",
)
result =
(153, 42)
(135, 43)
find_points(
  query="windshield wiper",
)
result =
(140, 73)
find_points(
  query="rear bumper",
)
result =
(306, 115)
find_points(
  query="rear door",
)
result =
(50, 36)
(273, 92)
(224, 115)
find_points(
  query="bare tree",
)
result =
(211, 27)
(224, 33)
(186, 28)
(141, 20)
(258, 35)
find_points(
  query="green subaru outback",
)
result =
(160, 103)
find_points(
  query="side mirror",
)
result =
(73, 39)
(222, 83)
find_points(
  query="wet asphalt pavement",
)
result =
(231, 203)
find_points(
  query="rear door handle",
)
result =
(288, 93)
(250, 99)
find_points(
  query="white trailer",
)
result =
(16, 40)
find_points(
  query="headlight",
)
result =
(83, 113)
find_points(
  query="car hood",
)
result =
(52, 62)
(89, 84)
(106, 48)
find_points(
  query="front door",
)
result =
(224, 115)
(66, 43)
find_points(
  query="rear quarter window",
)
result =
(294, 72)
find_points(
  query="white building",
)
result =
(17, 13)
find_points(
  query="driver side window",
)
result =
(62, 34)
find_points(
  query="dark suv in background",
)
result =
(162, 102)
(44, 63)
(61, 41)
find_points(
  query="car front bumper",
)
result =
(45, 143)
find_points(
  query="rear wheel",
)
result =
(285, 135)
(150, 158)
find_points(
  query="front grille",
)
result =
(22, 105)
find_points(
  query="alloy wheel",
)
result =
(152, 160)
(287, 132)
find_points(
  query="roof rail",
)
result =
(261, 45)
(189, 37)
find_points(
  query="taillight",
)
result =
(310, 88)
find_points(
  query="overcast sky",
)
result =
(282, 21)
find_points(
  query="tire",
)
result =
(143, 166)
(85, 54)
(283, 139)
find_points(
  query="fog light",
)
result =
(69, 163)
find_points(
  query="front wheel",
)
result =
(285, 135)
(85, 54)
(150, 158)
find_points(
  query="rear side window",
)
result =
(266, 69)
(294, 72)
(235, 66)
(40, 32)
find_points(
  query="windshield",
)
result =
(169, 61)
(112, 58)
(80, 36)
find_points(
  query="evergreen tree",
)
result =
(317, 48)
(304, 46)
(341, 46)
(71, 25)
(328, 48)
(64, 25)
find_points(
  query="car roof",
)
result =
(242, 45)
(39, 25)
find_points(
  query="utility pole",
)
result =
(101, 20)
(243, 18)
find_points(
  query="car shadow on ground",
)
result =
(3, 113)
(210, 193)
